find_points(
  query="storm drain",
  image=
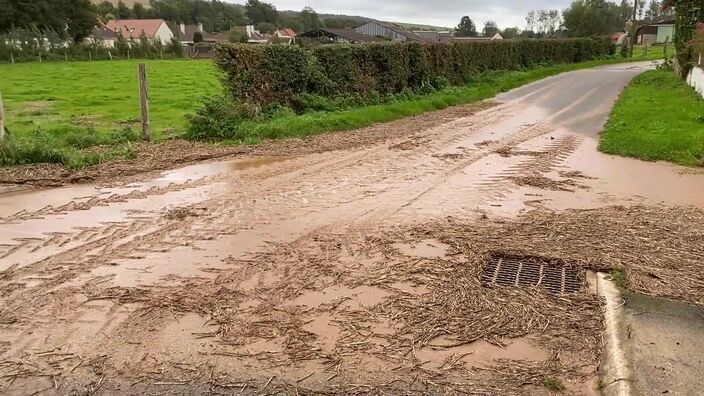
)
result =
(531, 272)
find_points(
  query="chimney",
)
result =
(183, 28)
(200, 27)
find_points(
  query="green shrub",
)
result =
(267, 74)
(218, 118)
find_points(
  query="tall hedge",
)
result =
(275, 73)
(689, 13)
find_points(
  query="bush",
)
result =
(217, 118)
(262, 75)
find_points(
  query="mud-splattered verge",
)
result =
(174, 153)
(369, 310)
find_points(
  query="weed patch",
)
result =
(619, 277)
(554, 384)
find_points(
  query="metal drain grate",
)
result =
(531, 271)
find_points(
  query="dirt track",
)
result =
(348, 271)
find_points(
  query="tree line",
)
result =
(583, 18)
(75, 19)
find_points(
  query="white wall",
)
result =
(696, 79)
(164, 33)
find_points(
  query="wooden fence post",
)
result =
(2, 121)
(144, 99)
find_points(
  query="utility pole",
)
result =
(633, 28)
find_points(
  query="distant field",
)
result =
(102, 95)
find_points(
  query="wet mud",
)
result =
(346, 270)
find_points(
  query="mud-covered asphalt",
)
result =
(104, 289)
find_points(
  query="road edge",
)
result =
(615, 375)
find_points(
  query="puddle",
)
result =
(427, 248)
(480, 353)
(214, 168)
(359, 296)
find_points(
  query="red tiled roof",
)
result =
(287, 32)
(133, 28)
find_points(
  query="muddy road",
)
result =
(350, 271)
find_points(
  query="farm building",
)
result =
(132, 29)
(103, 36)
(341, 36)
(656, 33)
(434, 36)
(388, 30)
(497, 36)
(285, 35)
(187, 33)
(255, 37)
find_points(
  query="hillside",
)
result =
(129, 3)
(331, 20)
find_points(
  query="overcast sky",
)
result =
(447, 13)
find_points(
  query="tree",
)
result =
(543, 23)
(265, 27)
(259, 12)
(310, 19)
(79, 18)
(68, 19)
(139, 11)
(123, 12)
(466, 28)
(490, 29)
(511, 33)
(105, 8)
(585, 18)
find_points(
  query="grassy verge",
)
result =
(658, 117)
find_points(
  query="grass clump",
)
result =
(67, 146)
(554, 384)
(619, 277)
(658, 118)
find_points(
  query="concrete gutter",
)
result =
(614, 371)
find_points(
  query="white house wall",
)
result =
(164, 33)
(696, 80)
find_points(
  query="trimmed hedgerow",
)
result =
(263, 75)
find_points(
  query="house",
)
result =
(132, 29)
(388, 30)
(287, 36)
(656, 33)
(104, 36)
(497, 36)
(186, 33)
(340, 36)
(255, 37)
(434, 36)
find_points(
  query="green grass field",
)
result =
(658, 117)
(102, 95)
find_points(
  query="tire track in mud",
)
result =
(92, 247)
